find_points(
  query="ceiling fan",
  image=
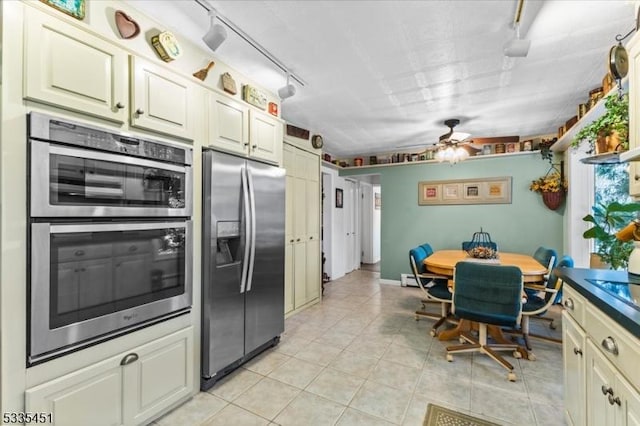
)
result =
(452, 138)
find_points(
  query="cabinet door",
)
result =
(70, 68)
(300, 273)
(630, 408)
(132, 275)
(600, 378)
(161, 100)
(228, 124)
(312, 282)
(96, 282)
(300, 209)
(161, 376)
(288, 278)
(312, 210)
(634, 178)
(289, 164)
(265, 137)
(91, 396)
(573, 350)
(634, 110)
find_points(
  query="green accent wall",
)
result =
(519, 227)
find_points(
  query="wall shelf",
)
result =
(564, 142)
(605, 158)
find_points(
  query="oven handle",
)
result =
(252, 201)
(115, 158)
(106, 227)
(247, 229)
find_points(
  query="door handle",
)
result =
(252, 204)
(577, 351)
(120, 105)
(247, 230)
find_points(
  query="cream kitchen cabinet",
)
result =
(71, 68)
(302, 228)
(128, 389)
(600, 366)
(160, 100)
(633, 48)
(235, 127)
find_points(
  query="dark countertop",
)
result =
(622, 313)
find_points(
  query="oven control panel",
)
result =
(51, 129)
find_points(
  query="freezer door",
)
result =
(223, 258)
(264, 317)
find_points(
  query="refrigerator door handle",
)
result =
(252, 201)
(247, 230)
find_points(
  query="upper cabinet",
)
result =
(160, 100)
(234, 127)
(74, 69)
(70, 68)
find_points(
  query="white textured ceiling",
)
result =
(384, 75)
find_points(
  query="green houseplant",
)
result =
(609, 132)
(607, 219)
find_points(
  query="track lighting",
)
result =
(287, 91)
(216, 35)
(517, 47)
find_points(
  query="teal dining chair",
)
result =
(488, 295)
(433, 286)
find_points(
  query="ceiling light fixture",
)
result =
(449, 144)
(216, 35)
(287, 91)
(233, 27)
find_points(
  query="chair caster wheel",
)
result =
(461, 340)
(532, 357)
(511, 376)
(424, 307)
(449, 357)
(433, 333)
(517, 354)
(417, 318)
(552, 325)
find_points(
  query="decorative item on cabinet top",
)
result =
(202, 74)
(253, 96)
(273, 108)
(127, 26)
(75, 8)
(166, 45)
(228, 83)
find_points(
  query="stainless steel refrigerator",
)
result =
(243, 261)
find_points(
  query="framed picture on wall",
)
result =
(73, 8)
(428, 193)
(492, 190)
(339, 198)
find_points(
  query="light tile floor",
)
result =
(360, 358)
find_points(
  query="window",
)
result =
(611, 184)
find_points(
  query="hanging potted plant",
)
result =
(552, 187)
(609, 132)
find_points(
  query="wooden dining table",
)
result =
(443, 262)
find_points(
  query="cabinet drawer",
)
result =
(86, 252)
(131, 247)
(601, 329)
(574, 304)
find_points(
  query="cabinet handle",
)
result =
(254, 146)
(133, 248)
(79, 253)
(120, 105)
(129, 358)
(139, 111)
(636, 177)
(569, 304)
(606, 390)
(291, 241)
(614, 400)
(311, 238)
(298, 239)
(577, 351)
(609, 345)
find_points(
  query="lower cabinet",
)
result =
(573, 349)
(128, 389)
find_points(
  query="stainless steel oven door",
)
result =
(92, 281)
(76, 182)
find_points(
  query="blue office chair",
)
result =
(489, 295)
(467, 245)
(434, 286)
(536, 305)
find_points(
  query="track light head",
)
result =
(517, 47)
(287, 91)
(216, 35)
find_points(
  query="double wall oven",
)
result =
(110, 234)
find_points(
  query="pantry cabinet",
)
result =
(70, 68)
(127, 389)
(302, 228)
(235, 127)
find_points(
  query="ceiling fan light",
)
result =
(459, 136)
